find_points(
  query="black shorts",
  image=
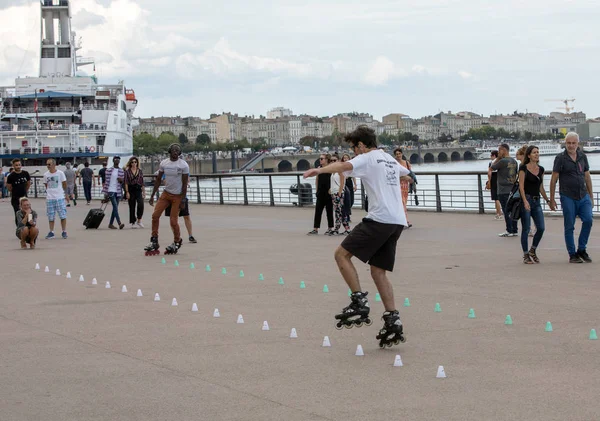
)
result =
(494, 186)
(182, 212)
(374, 243)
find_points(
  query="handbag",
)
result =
(514, 202)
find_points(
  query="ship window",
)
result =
(115, 120)
(123, 107)
(64, 52)
(47, 52)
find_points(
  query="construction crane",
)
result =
(566, 108)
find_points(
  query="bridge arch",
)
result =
(303, 165)
(455, 156)
(442, 157)
(414, 158)
(468, 156)
(428, 158)
(284, 166)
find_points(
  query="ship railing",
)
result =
(45, 145)
(58, 128)
(436, 191)
(70, 109)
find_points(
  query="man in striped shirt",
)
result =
(113, 191)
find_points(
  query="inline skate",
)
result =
(392, 331)
(356, 313)
(152, 249)
(174, 247)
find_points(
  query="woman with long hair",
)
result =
(349, 191)
(531, 187)
(404, 183)
(338, 185)
(323, 183)
(134, 191)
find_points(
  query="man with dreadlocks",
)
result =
(176, 173)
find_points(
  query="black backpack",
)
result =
(513, 205)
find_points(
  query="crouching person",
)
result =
(27, 230)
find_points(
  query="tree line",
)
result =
(146, 144)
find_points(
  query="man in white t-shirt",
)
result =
(374, 240)
(56, 197)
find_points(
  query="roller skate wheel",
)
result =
(402, 339)
(348, 325)
(397, 341)
(368, 322)
(339, 326)
(358, 324)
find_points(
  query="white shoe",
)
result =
(133, 226)
(513, 234)
(505, 234)
(140, 225)
(499, 217)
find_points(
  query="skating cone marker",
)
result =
(280, 281)
(261, 277)
(326, 341)
(377, 297)
(406, 302)
(240, 319)
(139, 293)
(192, 266)
(441, 374)
(325, 288)
(176, 263)
(293, 333)
(163, 261)
(349, 292)
(37, 266)
(57, 272)
(107, 286)
(174, 302)
(47, 269)
(224, 271)
(216, 313)
(471, 314)
(548, 327)
(156, 297)
(437, 309)
(508, 320)
(593, 335)
(359, 351)
(398, 361)
(265, 325)
(68, 275)
(241, 273)
(302, 285)
(94, 281)
(208, 268)
(81, 278)
(195, 307)
(124, 288)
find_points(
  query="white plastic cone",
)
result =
(37, 266)
(216, 313)
(47, 269)
(107, 285)
(359, 351)
(156, 297)
(326, 341)
(68, 275)
(293, 333)
(81, 278)
(265, 325)
(240, 319)
(94, 281)
(441, 374)
(174, 302)
(194, 307)
(57, 272)
(124, 288)
(398, 361)
(139, 293)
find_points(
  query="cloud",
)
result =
(464, 74)
(380, 71)
(83, 19)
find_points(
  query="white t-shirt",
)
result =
(173, 171)
(53, 182)
(113, 185)
(335, 183)
(380, 173)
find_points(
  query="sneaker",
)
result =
(328, 232)
(68, 205)
(574, 258)
(192, 239)
(498, 217)
(527, 259)
(74, 202)
(584, 256)
(504, 234)
(112, 227)
(313, 232)
(121, 226)
(333, 232)
(513, 234)
(133, 226)
(347, 232)
(50, 236)
(139, 224)
(64, 235)
(87, 203)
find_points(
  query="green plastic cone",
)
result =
(241, 273)
(406, 302)
(349, 292)
(261, 277)
(302, 285)
(508, 320)
(208, 268)
(163, 261)
(471, 314)
(548, 327)
(192, 266)
(224, 271)
(593, 335)
(437, 309)
(280, 281)
(325, 288)
(176, 263)
(377, 297)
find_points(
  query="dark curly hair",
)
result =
(362, 134)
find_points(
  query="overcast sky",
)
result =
(322, 57)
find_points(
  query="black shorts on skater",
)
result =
(374, 243)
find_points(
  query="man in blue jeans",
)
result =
(113, 191)
(506, 168)
(572, 170)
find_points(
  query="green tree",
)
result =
(386, 139)
(259, 144)
(203, 139)
(165, 139)
(145, 144)
(183, 139)
(308, 141)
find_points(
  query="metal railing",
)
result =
(436, 191)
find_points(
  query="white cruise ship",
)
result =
(64, 113)
(546, 147)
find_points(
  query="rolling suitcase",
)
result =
(94, 218)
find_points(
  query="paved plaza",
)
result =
(71, 350)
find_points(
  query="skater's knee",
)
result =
(341, 254)
(377, 273)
